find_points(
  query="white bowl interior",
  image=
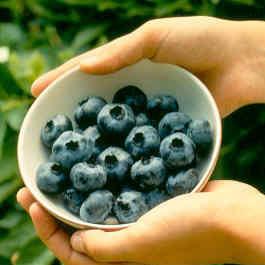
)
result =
(63, 95)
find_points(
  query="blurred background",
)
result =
(36, 35)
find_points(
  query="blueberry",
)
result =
(148, 173)
(173, 122)
(116, 120)
(87, 111)
(132, 96)
(177, 150)
(111, 220)
(96, 207)
(72, 200)
(71, 148)
(53, 128)
(142, 119)
(160, 105)
(51, 178)
(142, 141)
(116, 162)
(155, 197)
(98, 140)
(88, 177)
(183, 182)
(130, 206)
(201, 134)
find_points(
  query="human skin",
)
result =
(223, 224)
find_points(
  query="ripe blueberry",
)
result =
(51, 178)
(96, 207)
(201, 134)
(88, 177)
(173, 122)
(87, 111)
(148, 173)
(116, 162)
(132, 96)
(183, 182)
(116, 120)
(129, 206)
(142, 141)
(177, 150)
(71, 148)
(72, 200)
(53, 128)
(160, 105)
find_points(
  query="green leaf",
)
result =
(10, 219)
(87, 35)
(11, 34)
(2, 132)
(8, 188)
(17, 237)
(34, 253)
(5, 261)
(7, 81)
(8, 163)
(15, 116)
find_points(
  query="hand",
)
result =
(52, 234)
(223, 224)
(227, 55)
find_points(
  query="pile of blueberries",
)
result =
(122, 158)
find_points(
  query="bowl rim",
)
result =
(85, 225)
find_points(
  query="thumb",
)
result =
(102, 246)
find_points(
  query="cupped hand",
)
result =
(227, 55)
(193, 229)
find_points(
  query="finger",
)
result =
(117, 246)
(118, 53)
(55, 238)
(25, 198)
(226, 185)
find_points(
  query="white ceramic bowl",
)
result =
(63, 95)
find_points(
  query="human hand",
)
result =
(227, 55)
(223, 224)
(52, 233)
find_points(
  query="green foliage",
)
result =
(42, 34)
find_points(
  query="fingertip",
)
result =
(20, 195)
(34, 210)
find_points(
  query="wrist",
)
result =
(251, 58)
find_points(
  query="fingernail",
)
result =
(38, 81)
(77, 242)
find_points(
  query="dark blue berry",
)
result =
(155, 197)
(173, 122)
(96, 207)
(177, 150)
(87, 111)
(142, 119)
(201, 133)
(130, 206)
(88, 177)
(142, 141)
(54, 128)
(116, 162)
(183, 182)
(132, 96)
(98, 140)
(148, 173)
(51, 178)
(158, 106)
(72, 200)
(71, 148)
(116, 120)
